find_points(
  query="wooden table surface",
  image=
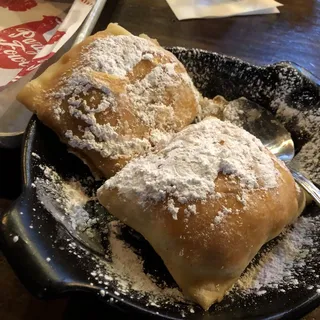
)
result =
(292, 35)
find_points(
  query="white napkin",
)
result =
(196, 9)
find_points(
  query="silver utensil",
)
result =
(263, 124)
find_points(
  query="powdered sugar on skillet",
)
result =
(127, 269)
(121, 272)
(185, 170)
(307, 122)
(64, 199)
(280, 267)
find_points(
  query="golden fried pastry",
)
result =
(207, 202)
(212, 107)
(113, 97)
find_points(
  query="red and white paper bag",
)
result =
(31, 31)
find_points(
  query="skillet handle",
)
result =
(27, 251)
(36, 247)
(16, 242)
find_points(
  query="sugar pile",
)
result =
(186, 169)
(281, 266)
(127, 269)
(64, 199)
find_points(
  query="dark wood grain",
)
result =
(292, 35)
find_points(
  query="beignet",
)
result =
(206, 203)
(113, 97)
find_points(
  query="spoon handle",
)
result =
(307, 185)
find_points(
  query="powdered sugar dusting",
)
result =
(110, 144)
(147, 95)
(212, 107)
(280, 267)
(145, 99)
(117, 55)
(185, 170)
(191, 209)
(130, 273)
(281, 88)
(221, 214)
(173, 209)
(304, 122)
(121, 272)
(64, 199)
(296, 260)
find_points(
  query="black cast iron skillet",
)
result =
(41, 236)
